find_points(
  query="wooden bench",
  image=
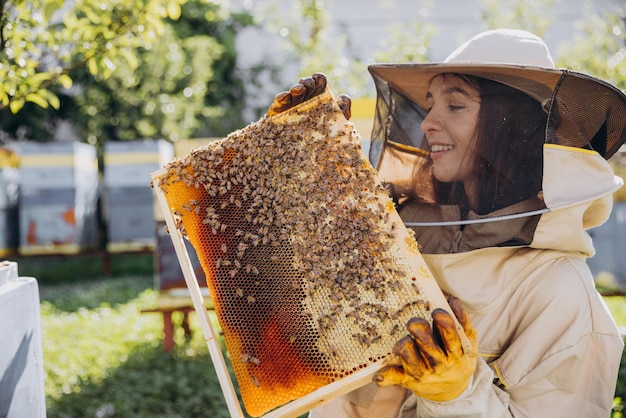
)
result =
(167, 304)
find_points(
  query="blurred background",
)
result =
(97, 94)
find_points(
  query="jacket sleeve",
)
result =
(578, 381)
(564, 356)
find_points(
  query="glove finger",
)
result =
(461, 314)
(463, 317)
(345, 104)
(410, 358)
(282, 102)
(389, 376)
(445, 327)
(298, 92)
(430, 351)
(309, 83)
(320, 83)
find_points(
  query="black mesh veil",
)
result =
(578, 111)
(587, 113)
(397, 135)
(396, 117)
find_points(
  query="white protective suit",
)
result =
(547, 344)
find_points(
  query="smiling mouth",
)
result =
(440, 148)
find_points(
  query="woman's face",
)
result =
(450, 126)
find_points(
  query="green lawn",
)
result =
(104, 358)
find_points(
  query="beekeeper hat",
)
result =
(591, 113)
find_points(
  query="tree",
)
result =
(177, 84)
(42, 40)
(185, 85)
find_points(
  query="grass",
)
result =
(104, 358)
(84, 267)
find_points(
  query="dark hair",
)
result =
(507, 153)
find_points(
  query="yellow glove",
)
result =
(432, 363)
(305, 89)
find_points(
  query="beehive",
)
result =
(311, 271)
(58, 195)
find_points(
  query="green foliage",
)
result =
(181, 87)
(149, 384)
(172, 76)
(82, 344)
(600, 49)
(93, 294)
(70, 269)
(42, 40)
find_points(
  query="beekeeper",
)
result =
(497, 160)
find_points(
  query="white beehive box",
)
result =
(21, 363)
(58, 197)
(128, 202)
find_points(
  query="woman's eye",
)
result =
(455, 107)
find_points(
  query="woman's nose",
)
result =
(430, 122)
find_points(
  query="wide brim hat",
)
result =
(592, 112)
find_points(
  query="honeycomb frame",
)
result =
(320, 219)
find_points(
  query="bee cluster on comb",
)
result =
(311, 271)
